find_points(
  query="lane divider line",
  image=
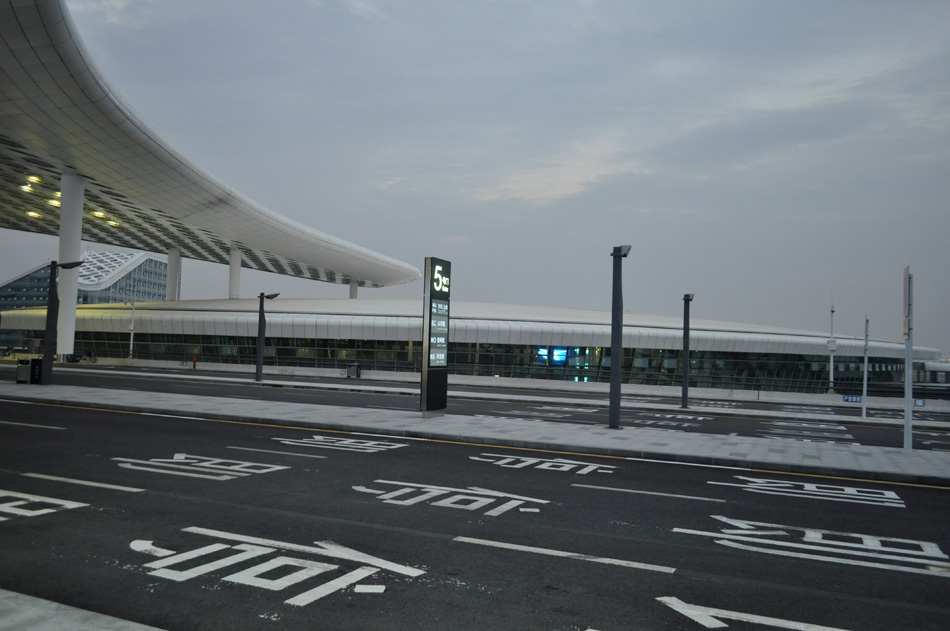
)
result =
(682, 497)
(102, 485)
(567, 555)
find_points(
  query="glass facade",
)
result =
(746, 371)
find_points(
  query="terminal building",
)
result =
(510, 341)
(77, 162)
(103, 277)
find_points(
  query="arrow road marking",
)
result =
(710, 618)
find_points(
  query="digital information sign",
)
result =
(435, 335)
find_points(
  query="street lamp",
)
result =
(832, 347)
(258, 375)
(52, 316)
(616, 336)
(687, 298)
(131, 328)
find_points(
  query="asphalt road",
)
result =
(220, 525)
(844, 426)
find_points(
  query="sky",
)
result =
(772, 158)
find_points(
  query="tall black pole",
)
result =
(687, 298)
(259, 374)
(616, 336)
(52, 317)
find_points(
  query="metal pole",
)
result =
(52, 317)
(864, 388)
(616, 336)
(909, 364)
(831, 352)
(258, 375)
(687, 298)
(132, 330)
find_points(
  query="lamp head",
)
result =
(270, 296)
(688, 297)
(621, 250)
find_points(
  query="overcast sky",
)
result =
(761, 155)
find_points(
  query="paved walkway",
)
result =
(25, 613)
(854, 461)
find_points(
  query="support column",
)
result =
(234, 276)
(353, 288)
(73, 188)
(173, 277)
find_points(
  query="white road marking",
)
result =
(389, 435)
(149, 547)
(567, 555)
(939, 569)
(710, 618)
(690, 464)
(187, 418)
(30, 425)
(327, 548)
(271, 451)
(682, 497)
(114, 487)
(328, 588)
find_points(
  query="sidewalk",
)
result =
(25, 613)
(796, 456)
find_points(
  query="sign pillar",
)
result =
(435, 337)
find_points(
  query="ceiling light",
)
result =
(34, 179)
(33, 214)
(54, 202)
(27, 188)
(112, 223)
(98, 213)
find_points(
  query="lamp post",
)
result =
(131, 328)
(687, 298)
(258, 375)
(52, 317)
(832, 347)
(616, 336)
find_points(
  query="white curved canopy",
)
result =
(58, 114)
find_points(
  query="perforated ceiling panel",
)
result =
(57, 113)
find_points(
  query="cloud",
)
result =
(570, 172)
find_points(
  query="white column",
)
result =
(173, 275)
(73, 188)
(353, 288)
(234, 277)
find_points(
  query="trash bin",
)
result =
(36, 370)
(353, 371)
(23, 371)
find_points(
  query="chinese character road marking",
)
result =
(900, 554)
(548, 464)
(875, 497)
(471, 498)
(199, 467)
(344, 444)
(18, 504)
(250, 548)
(710, 618)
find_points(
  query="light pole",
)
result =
(52, 317)
(687, 298)
(864, 382)
(258, 375)
(132, 329)
(832, 347)
(616, 335)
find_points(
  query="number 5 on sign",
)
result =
(439, 282)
